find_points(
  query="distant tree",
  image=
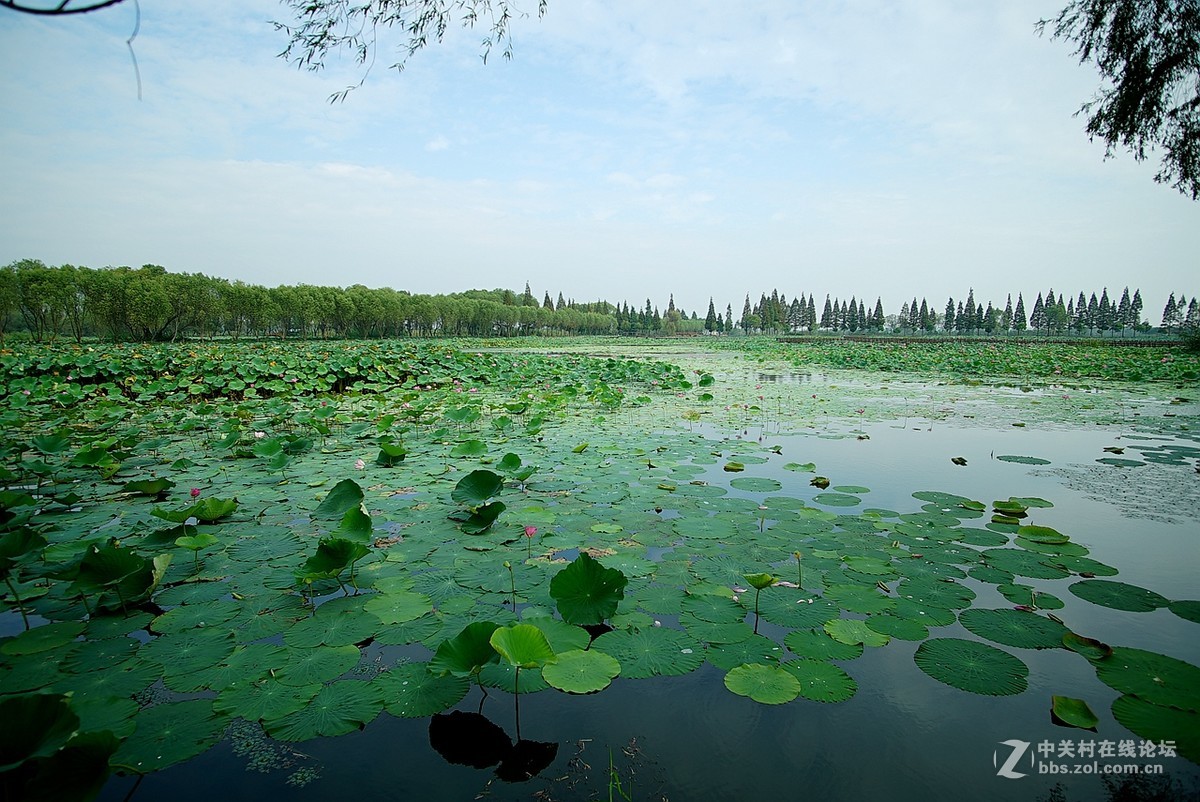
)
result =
(1093, 313)
(1191, 321)
(949, 320)
(1148, 54)
(9, 297)
(1135, 309)
(1124, 320)
(969, 310)
(710, 320)
(1104, 312)
(1019, 320)
(1006, 318)
(1037, 317)
(729, 318)
(547, 303)
(1171, 317)
(877, 316)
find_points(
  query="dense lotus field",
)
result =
(1028, 359)
(205, 540)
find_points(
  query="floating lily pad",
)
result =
(769, 685)
(820, 681)
(578, 671)
(1118, 595)
(338, 708)
(1022, 460)
(1072, 713)
(1159, 723)
(859, 598)
(1018, 628)
(43, 638)
(852, 630)
(317, 664)
(1120, 462)
(656, 651)
(972, 666)
(398, 606)
(411, 690)
(1188, 609)
(263, 699)
(1152, 677)
(171, 733)
(896, 627)
(1090, 648)
(754, 649)
(755, 484)
(836, 499)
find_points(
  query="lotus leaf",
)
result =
(820, 681)
(1073, 713)
(586, 591)
(171, 733)
(972, 666)
(1118, 595)
(578, 671)
(338, 708)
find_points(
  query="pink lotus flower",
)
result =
(195, 492)
(259, 435)
(360, 465)
(530, 531)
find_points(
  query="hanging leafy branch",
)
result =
(323, 27)
(1150, 52)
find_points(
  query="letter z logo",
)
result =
(1018, 750)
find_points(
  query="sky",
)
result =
(628, 150)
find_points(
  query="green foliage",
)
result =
(586, 591)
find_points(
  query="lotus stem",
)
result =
(20, 605)
(757, 591)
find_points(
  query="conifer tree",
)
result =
(1037, 318)
(1019, 320)
(877, 317)
(1007, 317)
(547, 303)
(729, 318)
(710, 320)
(949, 320)
(1135, 308)
(1170, 318)
(747, 313)
(1104, 312)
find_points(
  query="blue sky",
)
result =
(629, 150)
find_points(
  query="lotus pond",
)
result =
(592, 571)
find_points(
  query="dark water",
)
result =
(903, 736)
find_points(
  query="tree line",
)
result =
(150, 303)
